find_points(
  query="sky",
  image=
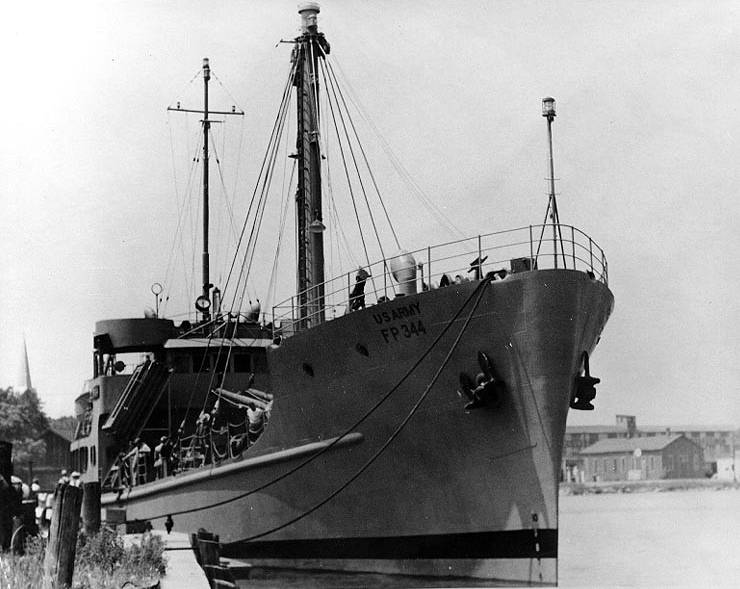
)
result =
(646, 142)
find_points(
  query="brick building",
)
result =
(717, 441)
(654, 457)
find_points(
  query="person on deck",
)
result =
(357, 296)
(63, 479)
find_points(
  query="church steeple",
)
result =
(23, 382)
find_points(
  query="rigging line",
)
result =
(275, 130)
(338, 235)
(174, 182)
(233, 100)
(351, 428)
(267, 179)
(238, 157)
(349, 186)
(362, 150)
(198, 374)
(285, 99)
(560, 231)
(392, 437)
(338, 224)
(544, 225)
(229, 204)
(416, 189)
(286, 200)
(179, 232)
(198, 73)
(260, 211)
(357, 169)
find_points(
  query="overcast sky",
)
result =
(646, 142)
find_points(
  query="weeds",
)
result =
(102, 561)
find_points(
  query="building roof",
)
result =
(645, 429)
(686, 428)
(595, 429)
(67, 434)
(615, 445)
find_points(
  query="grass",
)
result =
(102, 562)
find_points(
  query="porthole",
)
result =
(308, 369)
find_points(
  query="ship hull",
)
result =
(421, 485)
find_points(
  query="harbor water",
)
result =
(649, 539)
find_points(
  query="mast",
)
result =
(548, 111)
(203, 302)
(309, 47)
(206, 128)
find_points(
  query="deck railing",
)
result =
(524, 249)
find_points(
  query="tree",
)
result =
(22, 421)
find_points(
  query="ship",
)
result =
(389, 419)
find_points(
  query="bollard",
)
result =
(59, 561)
(91, 508)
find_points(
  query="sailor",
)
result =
(202, 438)
(63, 479)
(35, 487)
(162, 453)
(357, 296)
(256, 417)
(75, 482)
(136, 460)
(142, 461)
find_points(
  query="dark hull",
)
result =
(459, 493)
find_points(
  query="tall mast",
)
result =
(206, 127)
(310, 46)
(203, 302)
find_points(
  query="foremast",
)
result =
(309, 48)
(203, 302)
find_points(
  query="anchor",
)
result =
(585, 390)
(486, 389)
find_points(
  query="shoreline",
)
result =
(646, 486)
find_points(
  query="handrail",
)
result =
(510, 251)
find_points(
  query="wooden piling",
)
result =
(91, 507)
(208, 553)
(6, 495)
(60, 552)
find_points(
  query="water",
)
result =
(653, 539)
(669, 539)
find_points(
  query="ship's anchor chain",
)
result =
(585, 389)
(486, 389)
